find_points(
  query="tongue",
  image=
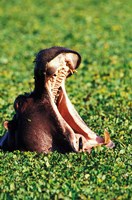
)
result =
(71, 116)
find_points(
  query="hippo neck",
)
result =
(39, 89)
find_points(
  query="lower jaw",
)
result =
(73, 127)
(73, 132)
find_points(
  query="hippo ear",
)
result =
(6, 123)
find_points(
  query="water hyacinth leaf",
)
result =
(100, 91)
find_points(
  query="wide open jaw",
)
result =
(57, 71)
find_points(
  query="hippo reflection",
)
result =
(45, 119)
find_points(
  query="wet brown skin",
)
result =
(45, 120)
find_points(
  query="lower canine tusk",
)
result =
(106, 136)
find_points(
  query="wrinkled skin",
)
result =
(45, 120)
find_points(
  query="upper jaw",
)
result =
(47, 63)
(57, 70)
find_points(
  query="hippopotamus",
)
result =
(45, 119)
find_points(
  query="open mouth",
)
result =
(58, 70)
(45, 119)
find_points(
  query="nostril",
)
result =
(68, 64)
